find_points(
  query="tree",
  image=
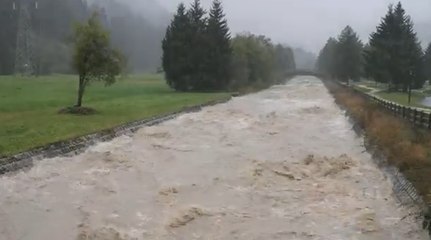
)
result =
(326, 62)
(427, 62)
(199, 54)
(176, 51)
(8, 33)
(219, 53)
(94, 59)
(257, 63)
(395, 55)
(196, 50)
(197, 47)
(348, 60)
(285, 61)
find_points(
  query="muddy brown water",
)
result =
(279, 164)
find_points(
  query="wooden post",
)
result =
(409, 114)
(429, 120)
(422, 123)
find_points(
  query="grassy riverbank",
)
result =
(404, 145)
(29, 107)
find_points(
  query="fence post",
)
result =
(429, 120)
(409, 114)
(423, 121)
(414, 116)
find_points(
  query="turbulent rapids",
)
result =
(279, 164)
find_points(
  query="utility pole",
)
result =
(24, 53)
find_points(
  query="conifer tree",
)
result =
(219, 52)
(197, 47)
(326, 60)
(427, 62)
(348, 62)
(395, 55)
(175, 47)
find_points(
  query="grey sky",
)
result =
(308, 23)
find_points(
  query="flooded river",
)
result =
(280, 164)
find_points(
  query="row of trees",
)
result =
(257, 62)
(199, 54)
(393, 54)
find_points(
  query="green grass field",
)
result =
(402, 98)
(362, 88)
(29, 106)
(379, 89)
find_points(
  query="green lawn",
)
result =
(363, 88)
(29, 106)
(402, 98)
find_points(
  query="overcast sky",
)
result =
(308, 23)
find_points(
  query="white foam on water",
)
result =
(279, 164)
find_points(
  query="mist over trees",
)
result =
(52, 29)
(136, 32)
(258, 63)
(51, 23)
(199, 54)
(304, 59)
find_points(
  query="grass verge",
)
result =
(405, 146)
(29, 107)
(402, 98)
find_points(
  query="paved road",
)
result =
(280, 164)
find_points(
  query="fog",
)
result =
(308, 23)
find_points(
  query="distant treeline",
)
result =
(393, 54)
(200, 55)
(51, 27)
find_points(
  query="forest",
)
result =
(393, 55)
(51, 24)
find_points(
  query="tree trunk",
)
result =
(81, 88)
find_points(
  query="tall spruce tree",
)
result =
(427, 62)
(198, 47)
(176, 51)
(395, 54)
(348, 62)
(326, 62)
(219, 52)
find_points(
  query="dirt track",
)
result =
(280, 164)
